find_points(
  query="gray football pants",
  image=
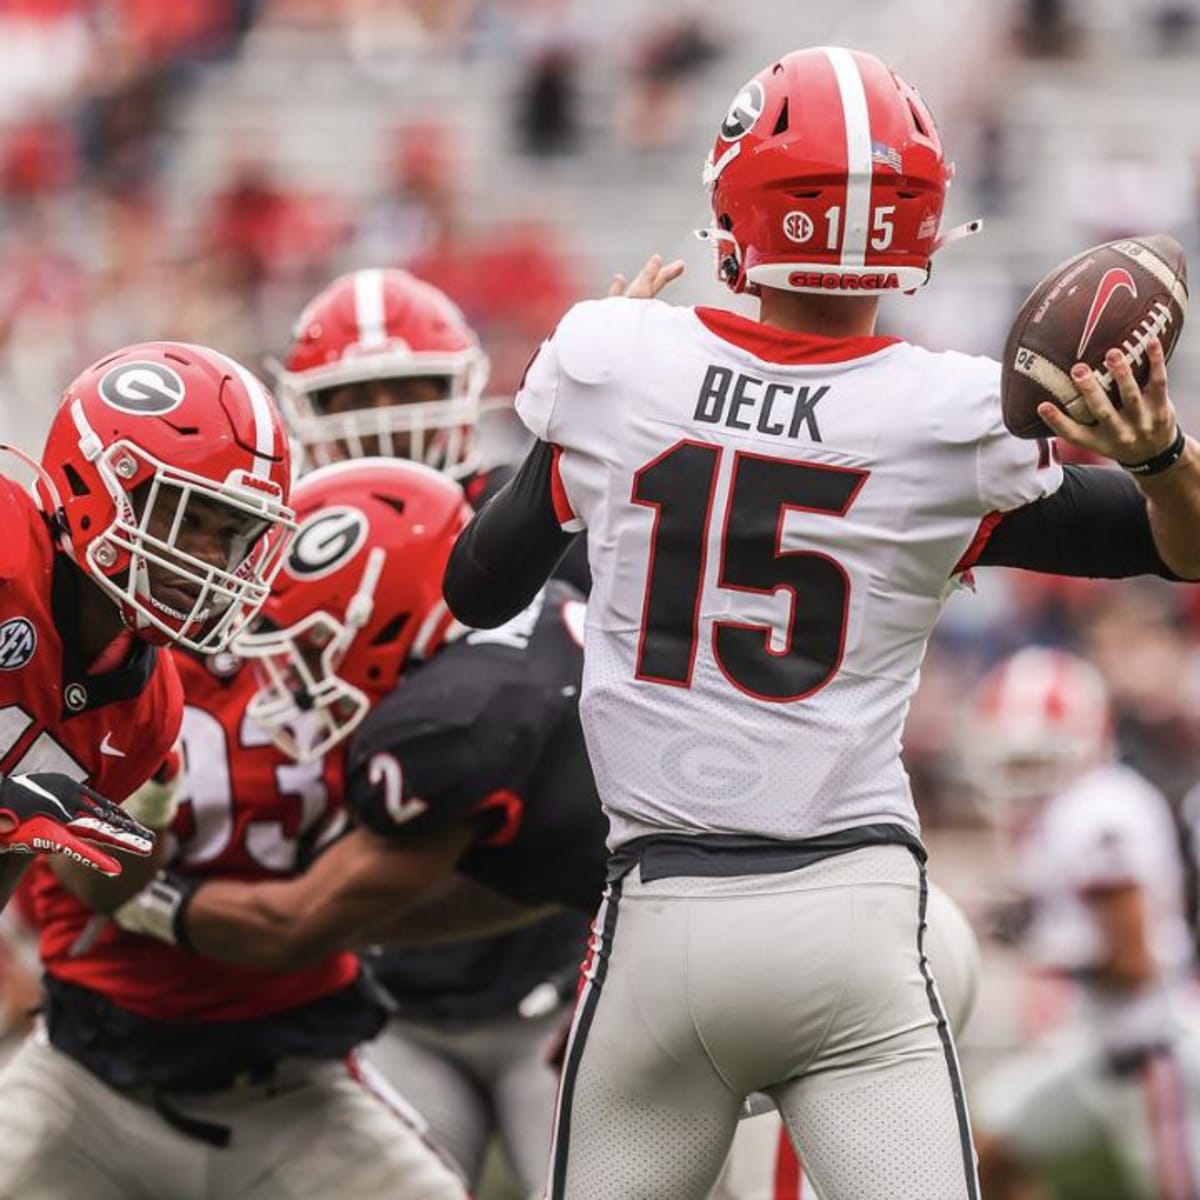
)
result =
(811, 986)
(492, 1077)
(316, 1133)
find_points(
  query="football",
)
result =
(1119, 294)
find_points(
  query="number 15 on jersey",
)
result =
(680, 486)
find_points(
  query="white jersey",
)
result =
(1109, 827)
(774, 521)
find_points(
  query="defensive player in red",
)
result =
(161, 1072)
(775, 512)
(164, 471)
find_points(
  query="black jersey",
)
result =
(488, 732)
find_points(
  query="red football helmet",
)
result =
(359, 595)
(1037, 720)
(166, 471)
(385, 325)
(827, 176)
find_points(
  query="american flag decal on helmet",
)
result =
(886, 156)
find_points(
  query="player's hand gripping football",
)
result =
(1141, 426)
(47, 813)
(649, 281)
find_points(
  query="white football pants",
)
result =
(317, 1132)
(811, 986)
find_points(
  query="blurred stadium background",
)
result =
(196, 169)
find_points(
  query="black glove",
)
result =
(53, 814)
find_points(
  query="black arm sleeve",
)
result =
(1095, 525)
(509, 549)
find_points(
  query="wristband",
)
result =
(1163, 460)
(158, 911)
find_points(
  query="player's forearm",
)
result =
(457, 909)
(1120, 912)
(100, 893)
(268, 924)
(1173, 503)
(291, 924)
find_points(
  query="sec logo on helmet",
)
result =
(325, 541)
(149, 388)
(797, 226)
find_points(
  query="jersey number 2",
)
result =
(680, 485)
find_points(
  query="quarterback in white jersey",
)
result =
(775, 511)
(1107, 1105)
(771, 516)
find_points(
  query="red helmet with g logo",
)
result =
(827, 176)
(378, 325)
(167, 471)
(360, 594)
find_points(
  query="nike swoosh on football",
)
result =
(1113, 278)
(106, 747)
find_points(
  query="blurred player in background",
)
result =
(383, 363)
(776, 511)
(145, 531)
(462, 753)
(1108, 1103)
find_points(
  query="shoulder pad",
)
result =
(597, 337)
(17, 516)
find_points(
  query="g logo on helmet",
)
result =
(148, 389)
(325, 541)
(744, 112)
(797, 226)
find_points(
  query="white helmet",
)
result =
(1037, 721)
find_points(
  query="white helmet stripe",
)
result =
(368, 307)
(859, 168)
(260, 406)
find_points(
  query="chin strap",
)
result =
(58, 517)
(38, 469)
(967, 229)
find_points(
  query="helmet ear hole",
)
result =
(78, 487)
(391, 631)
(781, 121)
(918, 120)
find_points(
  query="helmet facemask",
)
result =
(142, 561)
(438, 432)
(303, 703)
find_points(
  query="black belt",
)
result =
(719, 855)
(215, 1134)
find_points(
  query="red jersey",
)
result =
(246, 812)
(110, 730)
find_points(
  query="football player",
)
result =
(381, 362)
(161, 1073)
(163, 472)
(775, 511)
(463, 753)
(1108, 1103)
